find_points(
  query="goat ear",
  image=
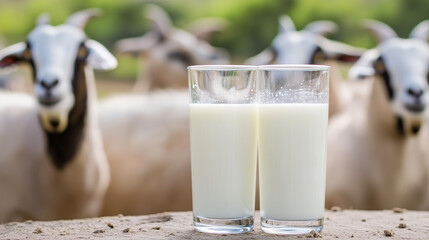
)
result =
(286, 24)
(381, 31)
(206, 27)
(323, 27)
(265, 57)
(363, 68)
(99, 57)
(12, 55)
(138, 45)
(81, 18)
(341, 52)
(421, 31)
(160, 20)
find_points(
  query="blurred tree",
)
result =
(253, 23)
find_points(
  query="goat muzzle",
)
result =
(49, 100)
(417, 107)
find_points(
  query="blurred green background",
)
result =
(253, 23)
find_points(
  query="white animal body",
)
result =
(147, 143)
(52, 164)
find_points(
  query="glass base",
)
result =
(291, 227)
(223, 226)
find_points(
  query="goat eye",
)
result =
(27, 54)
(179, 56)
(318, 56)
(379, 66)
(82, 52)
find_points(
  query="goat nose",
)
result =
(48, 84)
(415, 92)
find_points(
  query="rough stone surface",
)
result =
(342, 224)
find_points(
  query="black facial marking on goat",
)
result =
(400, 125)
(380, 70)
(30, 61)
(318, 56)
(64, 146)
(415, 129)
(427, 77)
(161, 37)
(274, 52)
(180, 56)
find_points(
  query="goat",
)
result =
(52, 163)
(146, 138)
(376, 156)
(310, 46)
(167, 51)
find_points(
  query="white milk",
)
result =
(292, 160)
(223, 153)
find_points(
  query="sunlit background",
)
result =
(252, 23)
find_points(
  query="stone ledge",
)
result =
(178, 225)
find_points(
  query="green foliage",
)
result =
(253, 23)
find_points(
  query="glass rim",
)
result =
(293, 67)
(222, 67)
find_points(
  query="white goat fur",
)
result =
(147, 144)
(371, 165)
(311, 46)
(167, 51)
(30, 185)
(32, 188)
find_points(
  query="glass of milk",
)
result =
(223, 125)
(293, 122)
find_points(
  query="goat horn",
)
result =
(286, 24)
(81, 18)
(206, 27)
(160, 20)
(381, 31)
(136, 45)
(421, 31)
(322, 27)
(43, 19)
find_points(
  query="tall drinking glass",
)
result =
(223, 121)
(293, 121)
